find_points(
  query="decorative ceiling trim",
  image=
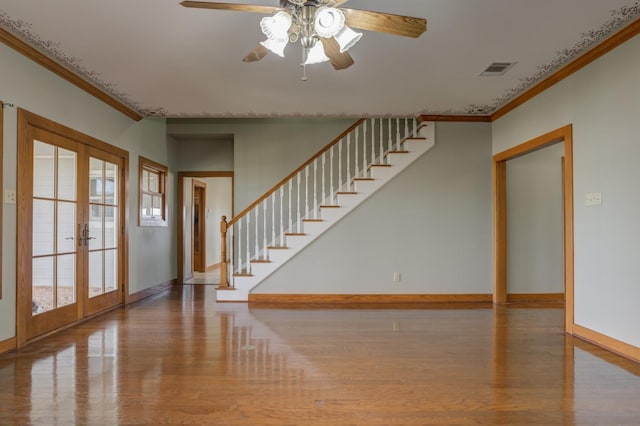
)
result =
(601, 49)
(48, 54)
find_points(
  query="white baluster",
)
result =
(356, 164)
(406, 127)
(257, 253)
(340, 144)
(273, 218)
(381, 144)
(281, 216)
(315, 188)
(373, 141)
(264, 225)
(306, 191)
(289, 210)
(298, 218)
(398, 134)
(390, 142)
(415, 127)
(231, 256)
(240, 245)
(349, 158)
(331, 174)
(248, 218)
(364, 149)
(323, 184)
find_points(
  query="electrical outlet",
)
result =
(9, 196)
(593, 199)
(397, 277)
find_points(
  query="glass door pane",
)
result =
(54, 219)
(103, 227)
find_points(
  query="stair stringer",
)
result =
(414, 148)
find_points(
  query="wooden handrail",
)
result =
(295, 172)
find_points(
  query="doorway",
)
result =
(71, 204)
(564, 134)
(198, 234)
(218, 201)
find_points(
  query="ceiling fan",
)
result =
(323, 28)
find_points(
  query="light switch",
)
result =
(593, 199)
(9, 196)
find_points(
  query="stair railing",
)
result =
(282, 210)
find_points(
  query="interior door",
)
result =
(199, 248)
(56, 254)
(103, 232)
(74, 237)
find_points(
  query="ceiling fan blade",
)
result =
(406, 26)
(339, 60)
(231, 6)
(256, 54)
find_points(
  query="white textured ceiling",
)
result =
(166, 60)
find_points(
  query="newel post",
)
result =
(224, 281)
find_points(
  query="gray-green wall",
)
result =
(602, 101)
(432, 223)
(152, 251)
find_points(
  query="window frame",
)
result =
(144, 164)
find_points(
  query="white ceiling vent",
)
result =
(497, 68)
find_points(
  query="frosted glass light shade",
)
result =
(276, 45)
(316, 55)
(276, 26)
(329, 21)
(347, 38)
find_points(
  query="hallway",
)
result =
(180, 358)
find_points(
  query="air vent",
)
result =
(497, 68)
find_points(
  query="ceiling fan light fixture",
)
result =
(329, 21)
(276, 26)
(347, 38)
(315, 55)
(276, 45)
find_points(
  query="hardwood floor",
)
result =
(179, 358)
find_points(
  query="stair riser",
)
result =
(382, 172)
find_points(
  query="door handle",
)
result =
(86, 235)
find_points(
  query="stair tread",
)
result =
(347, 193)
(312, 220)
(396, 152)
(243, 274)
(277, 247)
(261, 261)
(363, 178)
(294, 234)
(330, 206)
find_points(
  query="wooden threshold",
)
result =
(8, 345)
(151, 291)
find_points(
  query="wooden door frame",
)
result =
(181, 218)
(563, 134)
(26, 121)
(197, 184)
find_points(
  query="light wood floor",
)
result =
(181, 359)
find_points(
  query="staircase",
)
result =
(315, 197)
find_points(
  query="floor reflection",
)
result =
(182, 358)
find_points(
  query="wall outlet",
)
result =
(593, 199)
(397, 277)
(9, 196)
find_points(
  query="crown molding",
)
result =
(38, 57)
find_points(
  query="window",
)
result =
(152, 201)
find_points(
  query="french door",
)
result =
(70, 249)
